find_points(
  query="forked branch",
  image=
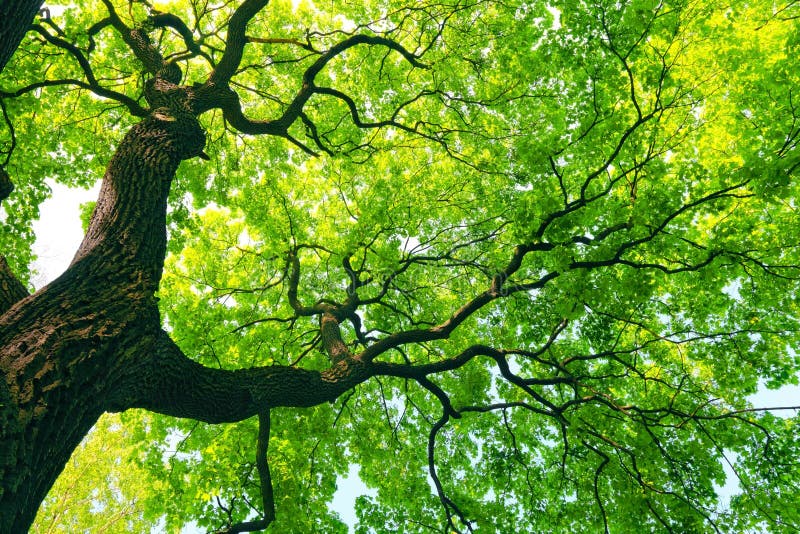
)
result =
(228, 101)
(143, 49)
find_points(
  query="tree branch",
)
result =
(228, 101)
(444, 329)
(235, 41)
(267, 493)
(131, 104)
(139, 43)
(166, 381)
(6, 185)
(332, 339)
(91, 81)
(168, 20)
(449, 506)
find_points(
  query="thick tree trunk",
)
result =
(66, 350)
(91, 341)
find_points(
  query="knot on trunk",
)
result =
(162, 93)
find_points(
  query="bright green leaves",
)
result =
(220, 283)
(103, 487)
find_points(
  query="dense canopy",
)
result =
(522, 266)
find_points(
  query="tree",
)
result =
(522, 263)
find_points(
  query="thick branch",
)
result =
(170, 383)
(127, 232)
(144, 51)
(332, 339)
(93, 30)
(230, 61)
(235, 41)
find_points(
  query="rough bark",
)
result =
(65, 350)
(11, 289)
(167, 382)
(91, 341)
(15, 19)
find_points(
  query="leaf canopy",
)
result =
(617, 179)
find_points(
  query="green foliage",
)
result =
(646, 152)
(102, 488)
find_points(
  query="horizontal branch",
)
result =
(132, 105)
(166, 381)
(417, 372)
(92, 84)
(444, 329)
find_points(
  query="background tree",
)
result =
(522, 263)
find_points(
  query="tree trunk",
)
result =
(67, 350)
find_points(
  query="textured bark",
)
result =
(167, 382)
(15, 19)
(11, 289)
(91, 341)
(67, 350)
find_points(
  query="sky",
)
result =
(58, 230)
